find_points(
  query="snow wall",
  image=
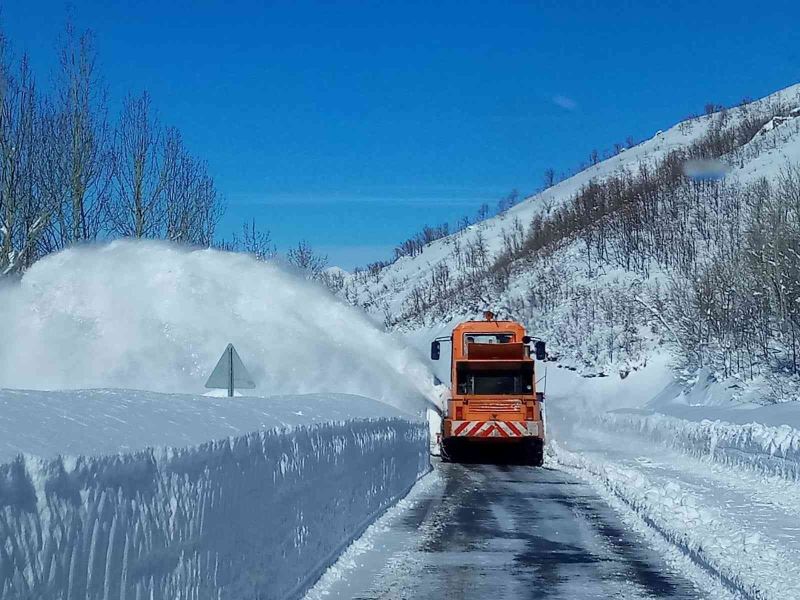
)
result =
(651, 405)
(157, 316)
(254, 516)
(771, 450)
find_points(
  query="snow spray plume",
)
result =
(151, 315)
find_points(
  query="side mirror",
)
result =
(436, 350)
(541, 352)
(526, 339)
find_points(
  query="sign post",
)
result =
(230, 373)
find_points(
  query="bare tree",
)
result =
(64, 178)
(483, 213)
(508, 201)
(9, 197)
(22, 216)
(306, 259)
(253, 241)
(81, 141)
(138, 208)
(192, 205)
(415, 244)
(549, 178)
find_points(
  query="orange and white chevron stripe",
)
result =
(485, 429)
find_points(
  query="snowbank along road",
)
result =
(258, 512)
(108, 491)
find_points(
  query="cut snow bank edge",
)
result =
(767, 449)
(253, 516)
(651, 405)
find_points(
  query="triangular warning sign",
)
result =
(230, 373)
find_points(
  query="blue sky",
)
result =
(351, 124)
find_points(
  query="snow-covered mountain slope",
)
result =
(604, 290)
(387, 293)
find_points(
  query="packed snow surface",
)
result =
(97, 422)
(155, 316)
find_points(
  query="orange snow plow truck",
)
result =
(494, 413)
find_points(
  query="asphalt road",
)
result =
(495, 532)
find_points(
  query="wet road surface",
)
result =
(495, 532)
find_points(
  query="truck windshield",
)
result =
(488, 338)
(495, 382)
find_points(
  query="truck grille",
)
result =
(496, 407)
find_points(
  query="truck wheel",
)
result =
(534, 453)
(447, 452)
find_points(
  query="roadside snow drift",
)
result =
(715, 480)
(259, 512)
(150, 315)
(763, 448)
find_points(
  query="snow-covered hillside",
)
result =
(596, 263)
(388, 292)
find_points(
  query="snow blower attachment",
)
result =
(494, 413)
